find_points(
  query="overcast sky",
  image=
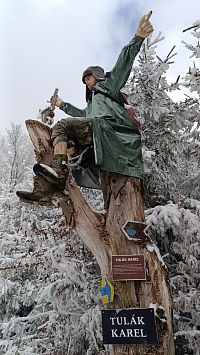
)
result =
(48, 43)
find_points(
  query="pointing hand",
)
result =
(145, 27)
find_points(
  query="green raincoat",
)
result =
(117, 140)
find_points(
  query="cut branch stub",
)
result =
(40, 135)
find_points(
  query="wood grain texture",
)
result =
(102, 234)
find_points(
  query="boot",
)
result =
(57, 174)
(42, 192)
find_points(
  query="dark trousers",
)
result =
(78, 130)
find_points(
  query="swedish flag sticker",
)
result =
(107, 291)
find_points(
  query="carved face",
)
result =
(90, 81)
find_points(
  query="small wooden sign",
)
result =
(136, 231)
(128, 267)
(129, 326)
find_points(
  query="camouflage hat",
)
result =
(96, 71)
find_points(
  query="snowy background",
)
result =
(48, 43)
(49, 282)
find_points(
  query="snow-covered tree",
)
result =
(166, 126)
(49, 281)
(49, 299)
(191, 80)
(16, 157)
(175, 229)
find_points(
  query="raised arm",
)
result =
(119, 75)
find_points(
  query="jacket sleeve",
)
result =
(118, 76)
(72, 110)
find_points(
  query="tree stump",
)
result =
(102, 234)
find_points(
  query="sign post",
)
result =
(128, 267)
(136, 231)
(129, 326)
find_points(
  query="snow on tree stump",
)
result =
(103, 235)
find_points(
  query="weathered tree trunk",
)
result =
(103, 236)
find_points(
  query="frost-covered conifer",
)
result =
(191, 80)
(176, 230)
(166, 125)
(16, 157)
(49, 281)
(49, 299)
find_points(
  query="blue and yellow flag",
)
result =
(107, 291)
